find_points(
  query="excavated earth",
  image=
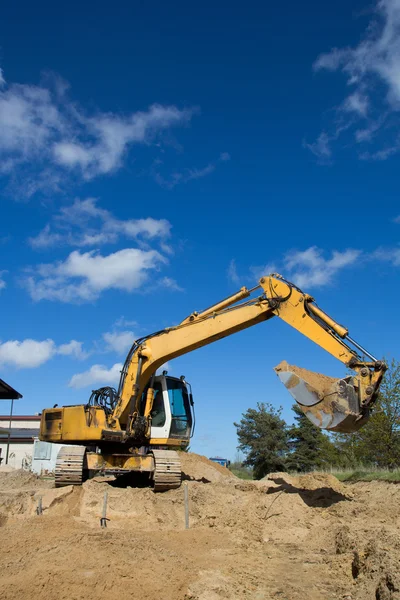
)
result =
(294, 538)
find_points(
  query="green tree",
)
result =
(262, 438)
(309, 447)
(378, 442)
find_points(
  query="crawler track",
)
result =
(69, 466)
(167, 474)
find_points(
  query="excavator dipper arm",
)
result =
(340, 405)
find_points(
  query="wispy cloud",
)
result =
(232, 272)
(84, 224)
(372, 73)
(321, 148)
(82, 277)
(119, 341)
(308, 268)
(48, 138)
(187, 174)
(390, 255)
(30, 353)
(170, 284)
(2, 282)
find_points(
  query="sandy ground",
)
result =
(293, 538)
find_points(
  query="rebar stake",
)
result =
(103, 519)
(39, 508)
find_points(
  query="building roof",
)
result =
(7, 392)
(15, 418)
(20, 435)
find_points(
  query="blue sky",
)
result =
(156, 157)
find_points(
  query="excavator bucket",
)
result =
(328, 403)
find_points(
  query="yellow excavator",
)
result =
(140, 426)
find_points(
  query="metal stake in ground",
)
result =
(39, 509)
(186, 495)
(103, 519)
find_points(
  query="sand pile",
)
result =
(199, 468)
(280, 538)
(20, 479)
(6, 469)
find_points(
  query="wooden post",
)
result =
(186, 495)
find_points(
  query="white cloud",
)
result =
(113, 134)
(97, 374)
(372, 72)
(83, 276)
(309, 268)
(28, 354)
(84, 224)
(119, 341)
(73, 348)
(391, 255)
(45, 239)
(357, 103)
(43, 132)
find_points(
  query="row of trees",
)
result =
(269, 444)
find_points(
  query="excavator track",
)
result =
(167, 474)
(69, 466)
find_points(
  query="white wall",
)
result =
(29, 424)
(18, 453)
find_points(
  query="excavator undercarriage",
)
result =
(75, 464)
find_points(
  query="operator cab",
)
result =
(172, 415)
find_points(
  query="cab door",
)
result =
(161, 413)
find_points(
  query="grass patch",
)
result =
(368, 475)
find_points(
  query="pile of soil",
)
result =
(18, 479)
(285, 537)
(6, 469)
(199, 468)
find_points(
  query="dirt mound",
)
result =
(6, 469)
(19, 479)
(318, 488)
(199, 468)
(280, 538)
